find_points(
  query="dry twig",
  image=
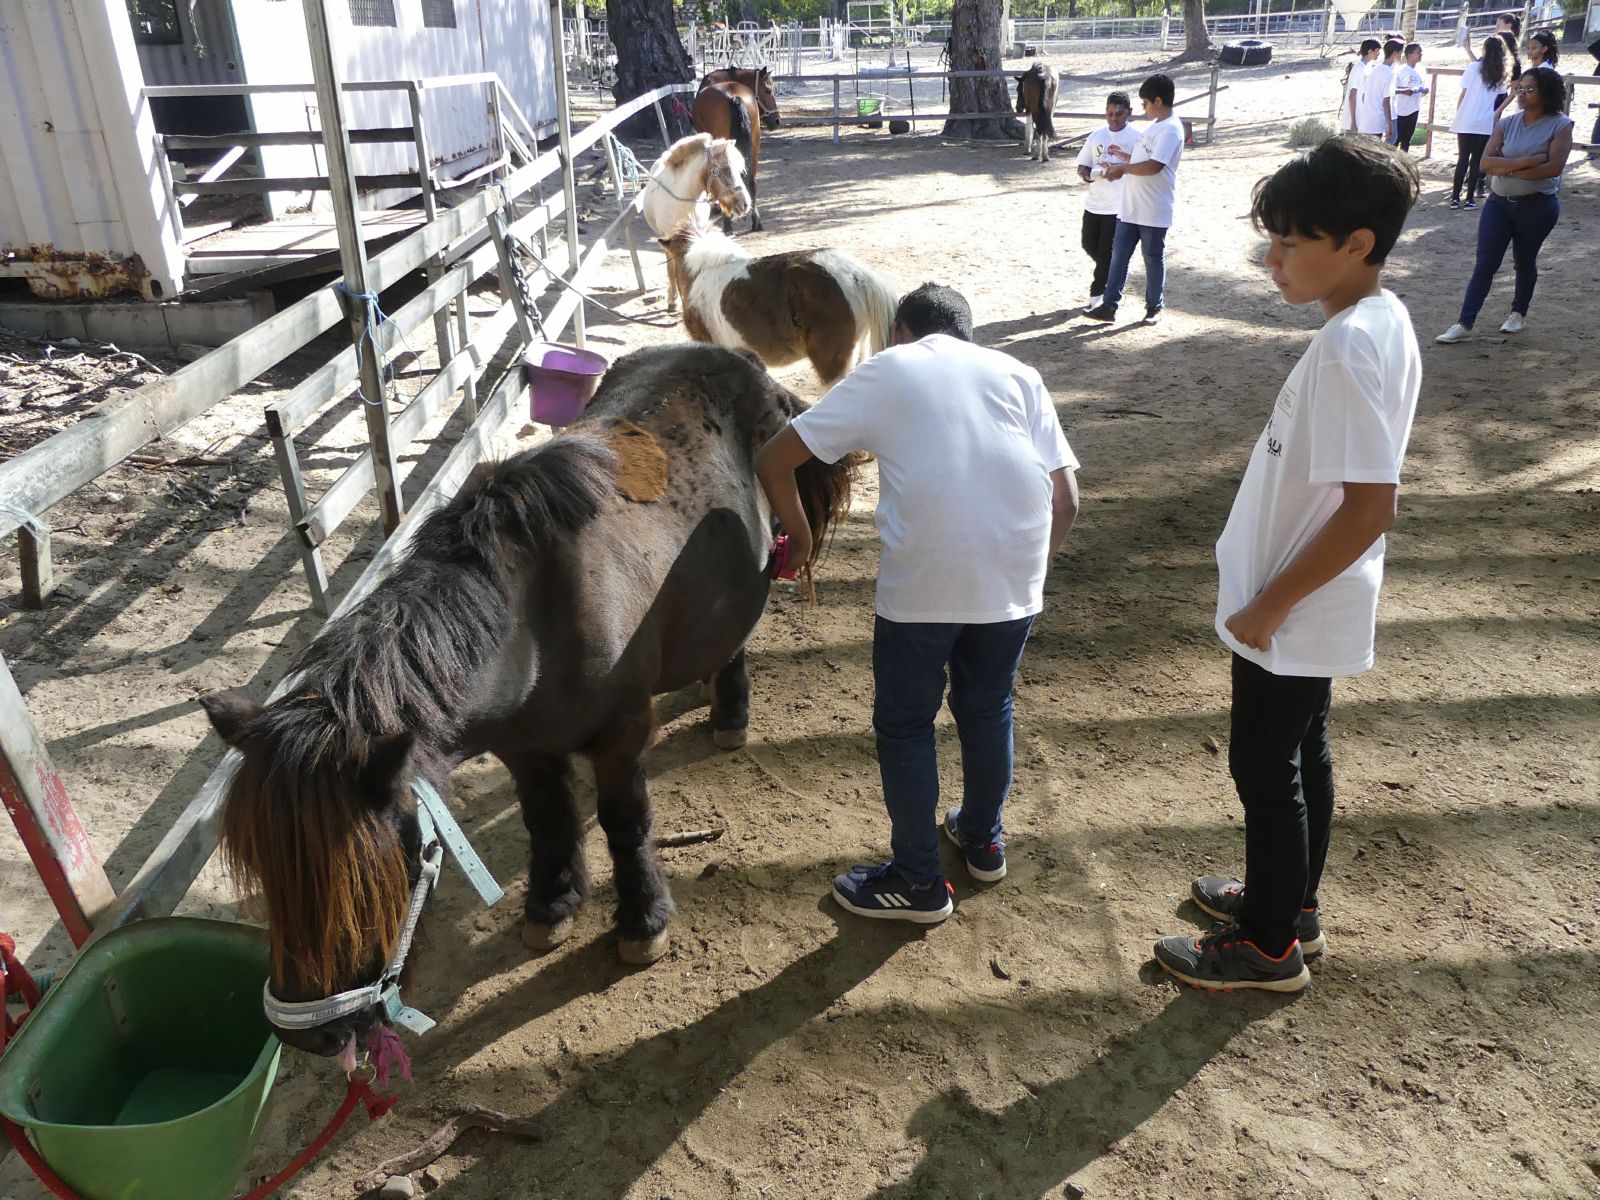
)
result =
(440, 1141)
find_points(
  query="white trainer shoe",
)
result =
(1094, 302)
(1515, 323)
(1456, 333)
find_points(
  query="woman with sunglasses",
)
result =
(1524, 159)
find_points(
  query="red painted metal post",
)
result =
(36, 799)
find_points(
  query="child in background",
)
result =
(1355, 82)
(1300, 561)
(1375, 111)
(1409, 88)
(1100, 205)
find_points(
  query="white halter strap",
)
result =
(439, 832)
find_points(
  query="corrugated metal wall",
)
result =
(77, 161)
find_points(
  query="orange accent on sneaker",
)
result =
(1273, 957)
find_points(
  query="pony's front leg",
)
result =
(730, 704)
(558, 880)
(1027, 135)
(644, 901)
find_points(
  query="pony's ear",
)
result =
(230, 713)
(388, 759)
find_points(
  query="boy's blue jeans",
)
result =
(1154, 240)
(1522, 225)
(909, 662)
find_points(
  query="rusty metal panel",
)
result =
(82, 208)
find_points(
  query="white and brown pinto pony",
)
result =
(818, 305)
(1036, 98)
(694, 170)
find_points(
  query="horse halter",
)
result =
(440, 832)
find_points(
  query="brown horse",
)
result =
(1036, 97)
(729, 110)
(758, 81)
(534, 618)
(814, 304)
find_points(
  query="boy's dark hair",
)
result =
(1119, 100)
(1552, 89)
(1513, 20)
(1552, 52)
(1347, 183)
(1493, 63)
(934, 308)
(1392, 47)
(1410, 46)
(1158, 87)
(1368, 45)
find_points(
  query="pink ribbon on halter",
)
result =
(387, 1052)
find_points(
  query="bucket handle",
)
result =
(359, 1090)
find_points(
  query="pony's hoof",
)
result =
(730, 739)
(546, 937)
(641, 952)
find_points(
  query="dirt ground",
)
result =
(782, 1049)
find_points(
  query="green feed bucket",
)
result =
(144, 1074)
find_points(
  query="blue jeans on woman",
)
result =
(1153, 238)
(909, 662)
(1522, 224)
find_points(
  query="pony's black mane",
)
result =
(404, 658)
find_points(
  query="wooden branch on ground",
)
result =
(439, 1142)
(688, 837)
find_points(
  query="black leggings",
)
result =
(1404, 128)
(1281, 765)
(1469, 163)
(1099, 231)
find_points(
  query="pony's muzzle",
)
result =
(770, 120)
(733, 204)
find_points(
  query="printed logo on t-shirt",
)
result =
(1284, 405)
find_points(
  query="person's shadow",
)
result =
(1032, 1147)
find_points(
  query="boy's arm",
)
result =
(1063, 505)
(1362, 518)
(776, 463)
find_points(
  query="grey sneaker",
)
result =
(1224, 960)
(1222, 897)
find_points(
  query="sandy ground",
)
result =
(783, 1050)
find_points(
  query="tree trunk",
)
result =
(976, 27)
(1196, 41)
(649, 54)
(1408, 21)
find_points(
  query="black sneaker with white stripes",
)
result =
(883, 892)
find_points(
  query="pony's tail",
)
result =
(881, 302)
(543, 496)
(1043, 119)
(739, 122)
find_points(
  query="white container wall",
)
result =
(82, 207)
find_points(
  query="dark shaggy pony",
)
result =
(535, 618)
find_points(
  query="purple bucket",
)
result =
(562, 380)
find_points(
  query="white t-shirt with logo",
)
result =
(1105, 195)
(1344, 416)
(1356, 83)
(1148, 199)
(966, 438)
(1476, 114)
(1369, 104)
(1407, 76)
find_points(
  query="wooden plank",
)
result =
(295, 183)
(341, 498)
(38, 577)
(222, 141)
(302, 403)
(37, 801)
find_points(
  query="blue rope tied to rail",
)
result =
(375, 319)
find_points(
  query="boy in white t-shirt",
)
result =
(1355, 83)
(1150, 184)
(1100, 205)
(1375, 113)
(1409, 89)
(1300, 561)
(975, 494)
